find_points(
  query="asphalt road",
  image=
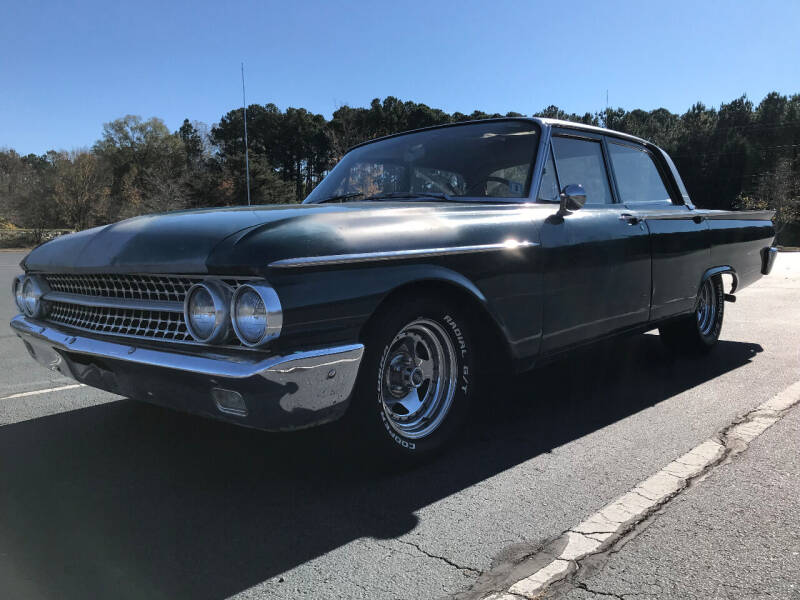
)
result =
(106, 497)
(736, 535)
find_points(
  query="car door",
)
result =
(597, 269)
(679, 235)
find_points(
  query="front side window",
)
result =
(638, 179)
(490, 159)
(580, 162)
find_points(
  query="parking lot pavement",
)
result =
(734, 536)
(102, 497)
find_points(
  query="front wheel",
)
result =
(698, 332)
(416, 381)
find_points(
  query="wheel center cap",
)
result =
(414, 377)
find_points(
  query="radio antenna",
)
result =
(246, 153)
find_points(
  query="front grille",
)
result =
(164, 288)
(147, 324)
(81, 310)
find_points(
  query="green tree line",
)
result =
(740, 155)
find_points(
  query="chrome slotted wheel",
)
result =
(418, 379)
(706, 307)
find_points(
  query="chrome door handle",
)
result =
(629, 218)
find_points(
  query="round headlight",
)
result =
(16, 286)
(256, 314)
(31, 297)
(205, 312)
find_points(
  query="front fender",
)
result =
(330, 305)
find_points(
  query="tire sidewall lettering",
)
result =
(463, 350)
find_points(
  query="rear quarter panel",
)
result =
(737, 239)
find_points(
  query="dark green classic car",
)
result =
(422, 260)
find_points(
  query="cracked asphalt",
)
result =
(735, 535)
(101, 496)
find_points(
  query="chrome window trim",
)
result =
(362, 257)
(546, 124)
(541, 159)
(532, 179)
(591, 137)
(666, 181)
(589, 129)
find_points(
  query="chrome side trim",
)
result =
(208, 364)
(701, 214)
(109, 302)
(360, 257)
(740, 215)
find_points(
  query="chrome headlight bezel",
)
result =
(221, 299)
(16, 291)
(38, 308)
(272, 306)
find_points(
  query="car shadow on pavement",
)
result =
(128, 500)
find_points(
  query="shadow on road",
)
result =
(129, 500)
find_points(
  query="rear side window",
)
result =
(638, 179)
(580, 162)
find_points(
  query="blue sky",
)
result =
(68, 67)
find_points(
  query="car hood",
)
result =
(245, 240)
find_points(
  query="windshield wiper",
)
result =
(387, 196)
(341, 197)
(421, 195)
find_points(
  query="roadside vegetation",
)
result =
(741, 155)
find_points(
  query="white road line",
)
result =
(47, 391)
(597, 532)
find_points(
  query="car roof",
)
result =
(540, 120)
(591, 129)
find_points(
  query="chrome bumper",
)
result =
(280, 392)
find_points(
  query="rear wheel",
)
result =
(415, 383)
(698, 332)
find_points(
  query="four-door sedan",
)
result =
(420, 261)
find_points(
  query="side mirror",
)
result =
(573, 197)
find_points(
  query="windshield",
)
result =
(490, 159)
